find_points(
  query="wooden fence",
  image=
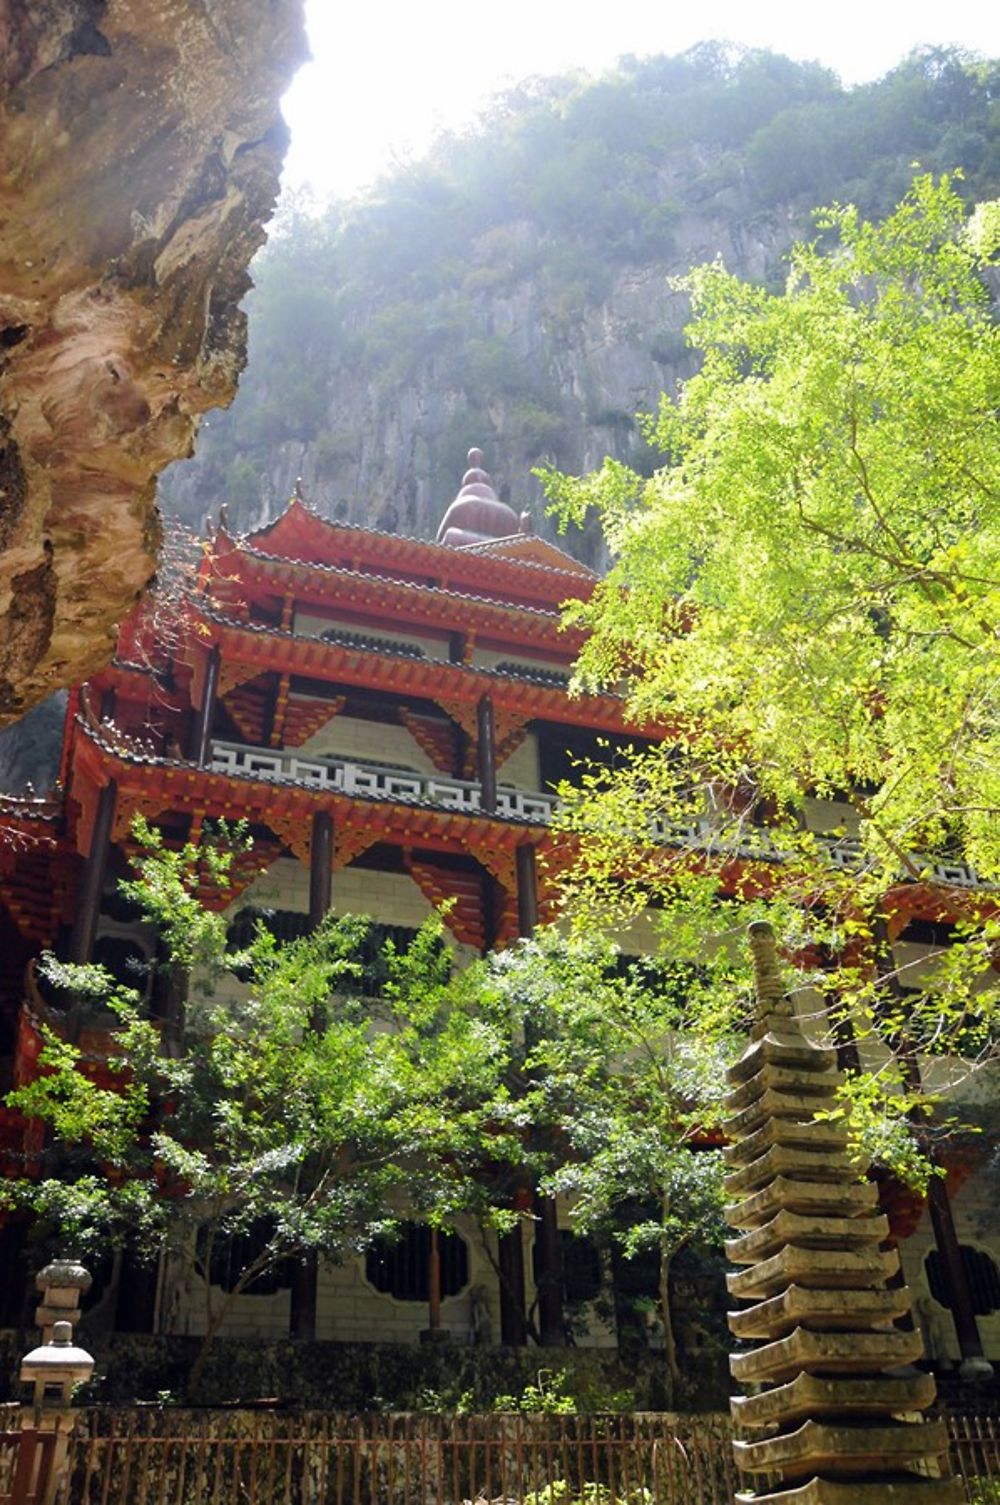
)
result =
(975, 1455)
(178, 1457)
(26, 1458)
(220, 1458)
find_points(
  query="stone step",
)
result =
(797, 1105)
(910, 1491)
(785, 1047)
(806, 1134)
(806, 1233)
(811, 1394)
(825, 1269)
(805, 1352)
(804, 1165)
(810, 1198)
(820, 1448)
(783, 1079)
(820, 1311)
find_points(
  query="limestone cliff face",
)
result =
(140, 145)
(537, 370)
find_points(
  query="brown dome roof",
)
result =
(477, 514)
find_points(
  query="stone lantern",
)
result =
(61, 1283)
(55, 1367)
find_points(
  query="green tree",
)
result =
(278, 1100)
(612, 1097)
(806, 597)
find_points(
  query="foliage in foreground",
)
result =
(279, 1101)
(805, 597)
(277, 1111)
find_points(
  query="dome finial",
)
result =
(477, 514)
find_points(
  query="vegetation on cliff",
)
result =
(509, 288)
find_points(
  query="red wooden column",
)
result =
(486, 751)
(527, 890)
(201, 732)
(975, 1365)
(551, 1325)
(88, 899)
(320, 867)
(302, 1305)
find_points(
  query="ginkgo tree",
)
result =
(805, 598)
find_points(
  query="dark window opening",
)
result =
(121, 907)
(284, 924)
(928, 933)
(581, 1267)
(564, 752)
(125, 960)
(235, 1252)
(402, 1268)
(289, 925)
(982, 1276)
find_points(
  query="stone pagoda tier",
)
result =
(835, 1409)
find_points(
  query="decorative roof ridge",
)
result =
(487, 545)
(154, 760)
(132, 665)
(447, 550)
(31, 807)
(267, 629)
(414, 585)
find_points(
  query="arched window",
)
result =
(124, 959)
(980, 1272)
(284, 924)
(401, 1267)
(235, 1252)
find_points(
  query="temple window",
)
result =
(401, 1268)
(981, 1273)
(232, 1254)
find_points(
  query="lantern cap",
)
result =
(68, 1273)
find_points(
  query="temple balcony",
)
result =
(372, 780)
(376, 781)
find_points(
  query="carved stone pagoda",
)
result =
(836, 1413)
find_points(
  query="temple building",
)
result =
(391, 717)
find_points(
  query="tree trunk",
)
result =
(216, 1319)
(667, 1319)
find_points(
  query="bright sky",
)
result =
(387, 73)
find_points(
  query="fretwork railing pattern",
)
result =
(372, 781)
(377, 781)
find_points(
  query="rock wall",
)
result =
(539, 369)
(140, 146)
